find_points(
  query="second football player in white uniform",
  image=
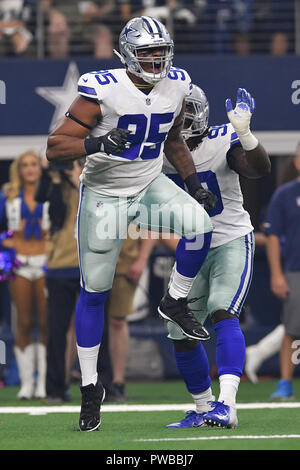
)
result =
(220, 154)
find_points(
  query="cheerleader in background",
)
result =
(29, 222)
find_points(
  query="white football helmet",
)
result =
(196, 113)
(146, 33)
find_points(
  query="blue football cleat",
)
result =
(221, 415)
(191, 420)
(283, 392)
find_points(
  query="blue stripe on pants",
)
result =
(246, 277)
(78, 234)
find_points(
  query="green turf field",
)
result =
(32, 425)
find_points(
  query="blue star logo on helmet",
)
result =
(130, 29)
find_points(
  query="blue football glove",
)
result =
(240, 118)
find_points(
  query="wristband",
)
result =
(193, 184)
(92, 145)
(248, 141)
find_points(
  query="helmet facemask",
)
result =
(151, 66)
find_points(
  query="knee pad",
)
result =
(99, 276)
(101, 246)
(197, 221)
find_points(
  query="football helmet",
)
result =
(196, 113)
(146, 33)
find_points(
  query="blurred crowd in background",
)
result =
(62, 29)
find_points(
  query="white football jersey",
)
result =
(148, 117)
(230, 219)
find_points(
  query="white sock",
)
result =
(180, 285)
(229, 385)
(88, 358)
(201, 400)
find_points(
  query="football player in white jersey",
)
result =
(221, 154)
(120, 122)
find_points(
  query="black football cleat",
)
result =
(178, 312)
(92, 397)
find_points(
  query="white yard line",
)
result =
(41, 410)
(217, 438)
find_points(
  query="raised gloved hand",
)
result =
(240, 118)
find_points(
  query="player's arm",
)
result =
(248, 157)
(250, 164)
(176, 150)
(66, 142)
(70, 141)
(179, 155)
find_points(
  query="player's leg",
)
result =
(193, 366)
(98, 254)
(191, 358)
(230, 278)
(170, 209)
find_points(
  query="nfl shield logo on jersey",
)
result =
(148, 101)
(298, 201)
